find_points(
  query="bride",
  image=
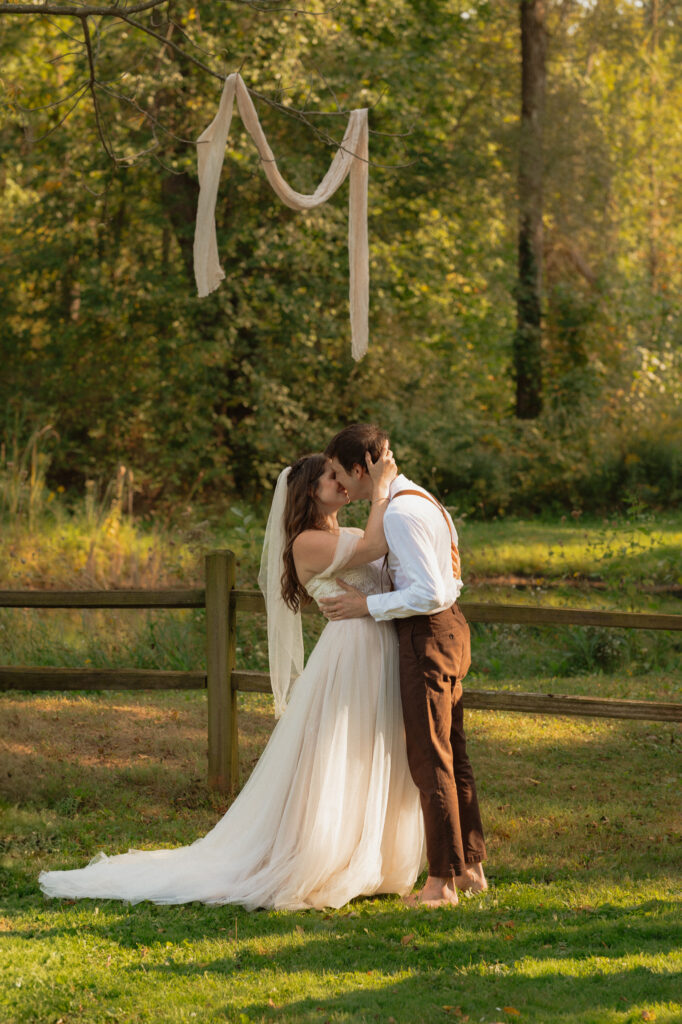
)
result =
(330, 811)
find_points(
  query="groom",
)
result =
(433, 638)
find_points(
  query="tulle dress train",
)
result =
(330, 811)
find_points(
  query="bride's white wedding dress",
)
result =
(330, 811)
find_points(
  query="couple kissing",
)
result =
(366, 776)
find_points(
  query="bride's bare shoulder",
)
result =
(314, 542)
(313, 551)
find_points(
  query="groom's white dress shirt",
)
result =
(419, 557)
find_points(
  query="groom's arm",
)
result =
(411, 543)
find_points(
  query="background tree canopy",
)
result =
(101, 332)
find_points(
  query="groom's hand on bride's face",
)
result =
(352, 604)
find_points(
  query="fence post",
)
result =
(223, 752)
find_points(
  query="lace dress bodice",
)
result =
(366, 578)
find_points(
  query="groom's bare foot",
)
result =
(473, 880)
(438, 892)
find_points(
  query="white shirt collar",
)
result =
(399, 484)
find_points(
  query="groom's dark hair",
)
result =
(351, 443)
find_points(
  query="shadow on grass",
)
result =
(549, 998)
(532, 953)
(482, 931)
(560, 798)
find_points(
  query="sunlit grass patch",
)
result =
(87, 546)
(616, 549)
(581, 924)
(533, 953)
(99, 545)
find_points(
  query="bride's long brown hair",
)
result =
(300, 513)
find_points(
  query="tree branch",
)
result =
(169, 43)
(146, 114)
(125, 14)
(92, 87)
(79, 11)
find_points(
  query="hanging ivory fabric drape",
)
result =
(351, 157)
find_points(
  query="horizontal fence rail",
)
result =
(516, 614)
(252, 601)
(102, 598)
(528, 703)
(37, 679)
(223, 602)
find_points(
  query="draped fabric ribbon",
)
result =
(351, 158)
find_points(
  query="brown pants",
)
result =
(435, 655)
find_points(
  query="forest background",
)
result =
(122, 392)
(109, 358)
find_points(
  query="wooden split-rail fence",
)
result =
(223, 680)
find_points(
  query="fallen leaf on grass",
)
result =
(407, 939)
(512, 1010)
(648, 1015)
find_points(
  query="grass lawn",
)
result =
(582, 924)
(641, 549)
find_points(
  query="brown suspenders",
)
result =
(456, 567)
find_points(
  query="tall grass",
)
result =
(23, 467)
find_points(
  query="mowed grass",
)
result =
(641, 548)
(582, 922)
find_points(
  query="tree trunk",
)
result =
(179, 196)
(528, 337)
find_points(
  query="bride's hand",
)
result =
(382, 472)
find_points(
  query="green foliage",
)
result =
(102, 336)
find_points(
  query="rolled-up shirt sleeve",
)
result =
(409, 540)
